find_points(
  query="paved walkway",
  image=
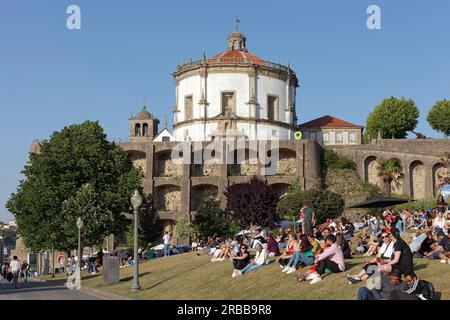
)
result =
(50, 290)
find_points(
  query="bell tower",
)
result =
(143, 127)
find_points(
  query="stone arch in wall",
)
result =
(287, 162)
(139, 159)
(166, 167)
(370, 170)
(209, 166)
(280, 188)
(440, 174)
(167, 198)
(200, 193)
(247, 165)
(417, 179)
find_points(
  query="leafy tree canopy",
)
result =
(76, 169)
(332, 160)
(211, 220)
(439, 117)
(252, 203)
(392, 118)
(325, 204)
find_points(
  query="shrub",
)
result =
(325, 204)
(332, 160)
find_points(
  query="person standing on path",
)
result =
(308, 219)
(15, 270)
(25, 269)
(166, 239)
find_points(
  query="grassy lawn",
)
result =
(188, 276)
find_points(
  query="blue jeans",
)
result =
(299, 257)
(25, 276)
(365, 294)
(166, 249)
(347, 236)
(250, 267)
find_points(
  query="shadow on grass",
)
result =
(174, 276)
(131, 277)
(420, 267)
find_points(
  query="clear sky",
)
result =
(51, 77)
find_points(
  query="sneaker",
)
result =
(291, 270)
(281, 266)
(353, 279)
(238, 272)
(233, 274)
(286, 269)
(311, 276)
(315, 279)
(444, 261)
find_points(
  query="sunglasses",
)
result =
(385, 237)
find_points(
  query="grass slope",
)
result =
(188, 276)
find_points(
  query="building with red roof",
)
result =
(329, 130)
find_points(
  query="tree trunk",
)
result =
(387, 187)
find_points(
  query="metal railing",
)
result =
(194, 63)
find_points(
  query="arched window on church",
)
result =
(145, 130)
(137, 129)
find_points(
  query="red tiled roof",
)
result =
(232, 56)
(328, 121)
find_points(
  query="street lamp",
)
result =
(79, 226)
(136, 201)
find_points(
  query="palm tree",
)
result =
(391, 171)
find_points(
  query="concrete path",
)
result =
(50, 290)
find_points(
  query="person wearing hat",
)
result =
(402, 257)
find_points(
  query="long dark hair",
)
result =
(305, 245)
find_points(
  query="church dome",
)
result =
(237, 56)
(144, 114)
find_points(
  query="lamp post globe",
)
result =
(80, 256)
(136, 201)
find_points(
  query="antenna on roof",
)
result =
(236, 19)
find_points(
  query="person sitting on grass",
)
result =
(331, 258)
(349, 228)
(373, 246)
(241, 260)
(319, 250)
(362, 243)
(387, 284)
(440, 223)
(426, 247)
(402, 258)
(417, 289)
(303, 254)
(343, 244)
(438, 247)
(290, 246)
(272, 245)
(370, 266)
(259, 261)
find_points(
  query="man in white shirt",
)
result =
(15, 269)
(166, 239)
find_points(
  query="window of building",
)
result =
(326, 137)
(188, 104)
(165, 139)
(145, 130)
(228, 103)
(272, 107)
(137, 129)
(352, 137)
(339, 137)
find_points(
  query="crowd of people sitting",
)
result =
(324, 248)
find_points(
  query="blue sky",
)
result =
(51, 77)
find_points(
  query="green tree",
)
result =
(393, 118)
(439, 117)
(211, 220)
(325, 204)
(150, 227)
(390, 170)
(75, 156)
(183, 229)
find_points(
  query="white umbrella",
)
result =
(158, 247)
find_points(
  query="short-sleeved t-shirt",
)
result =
(444, 242)
(406, 258)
